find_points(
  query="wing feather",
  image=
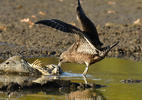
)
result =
(60, 25)
(88, 26)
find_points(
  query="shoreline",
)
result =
(19, 35)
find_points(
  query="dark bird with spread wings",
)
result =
(88, 48)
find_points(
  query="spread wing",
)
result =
(62, 26)
(88, 26)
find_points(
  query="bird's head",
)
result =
(64, 57)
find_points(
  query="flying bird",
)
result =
(87, 48)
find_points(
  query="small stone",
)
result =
(42, 13)
(111, 12)
(109, 24)
(138, 21)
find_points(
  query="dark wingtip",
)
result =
(79, 5)
(79, 9)
(38, 22)
(41, 22)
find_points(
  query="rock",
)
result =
(109, 24)
(138, 21)
(17, 64)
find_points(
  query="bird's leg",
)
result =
(86, 69)
(85, 80)
(59, 64)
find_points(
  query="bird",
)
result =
(87, 48)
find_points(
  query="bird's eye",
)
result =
(60, 60)
(7, 62)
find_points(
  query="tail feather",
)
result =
(105, 50)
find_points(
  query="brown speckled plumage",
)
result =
(87, 49)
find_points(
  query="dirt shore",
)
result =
(116, 20)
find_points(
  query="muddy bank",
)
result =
(114, 21)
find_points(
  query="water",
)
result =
(109, 72)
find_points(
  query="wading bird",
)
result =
(88, 48)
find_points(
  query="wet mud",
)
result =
(115, 20)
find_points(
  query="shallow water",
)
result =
(109, 72)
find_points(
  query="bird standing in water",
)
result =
(88, 48)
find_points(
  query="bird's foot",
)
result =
(84, 73)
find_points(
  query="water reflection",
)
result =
(108, 72)
(87, 94)
(21, 79)
(6, 79)
(71, 75)
(15, 86)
